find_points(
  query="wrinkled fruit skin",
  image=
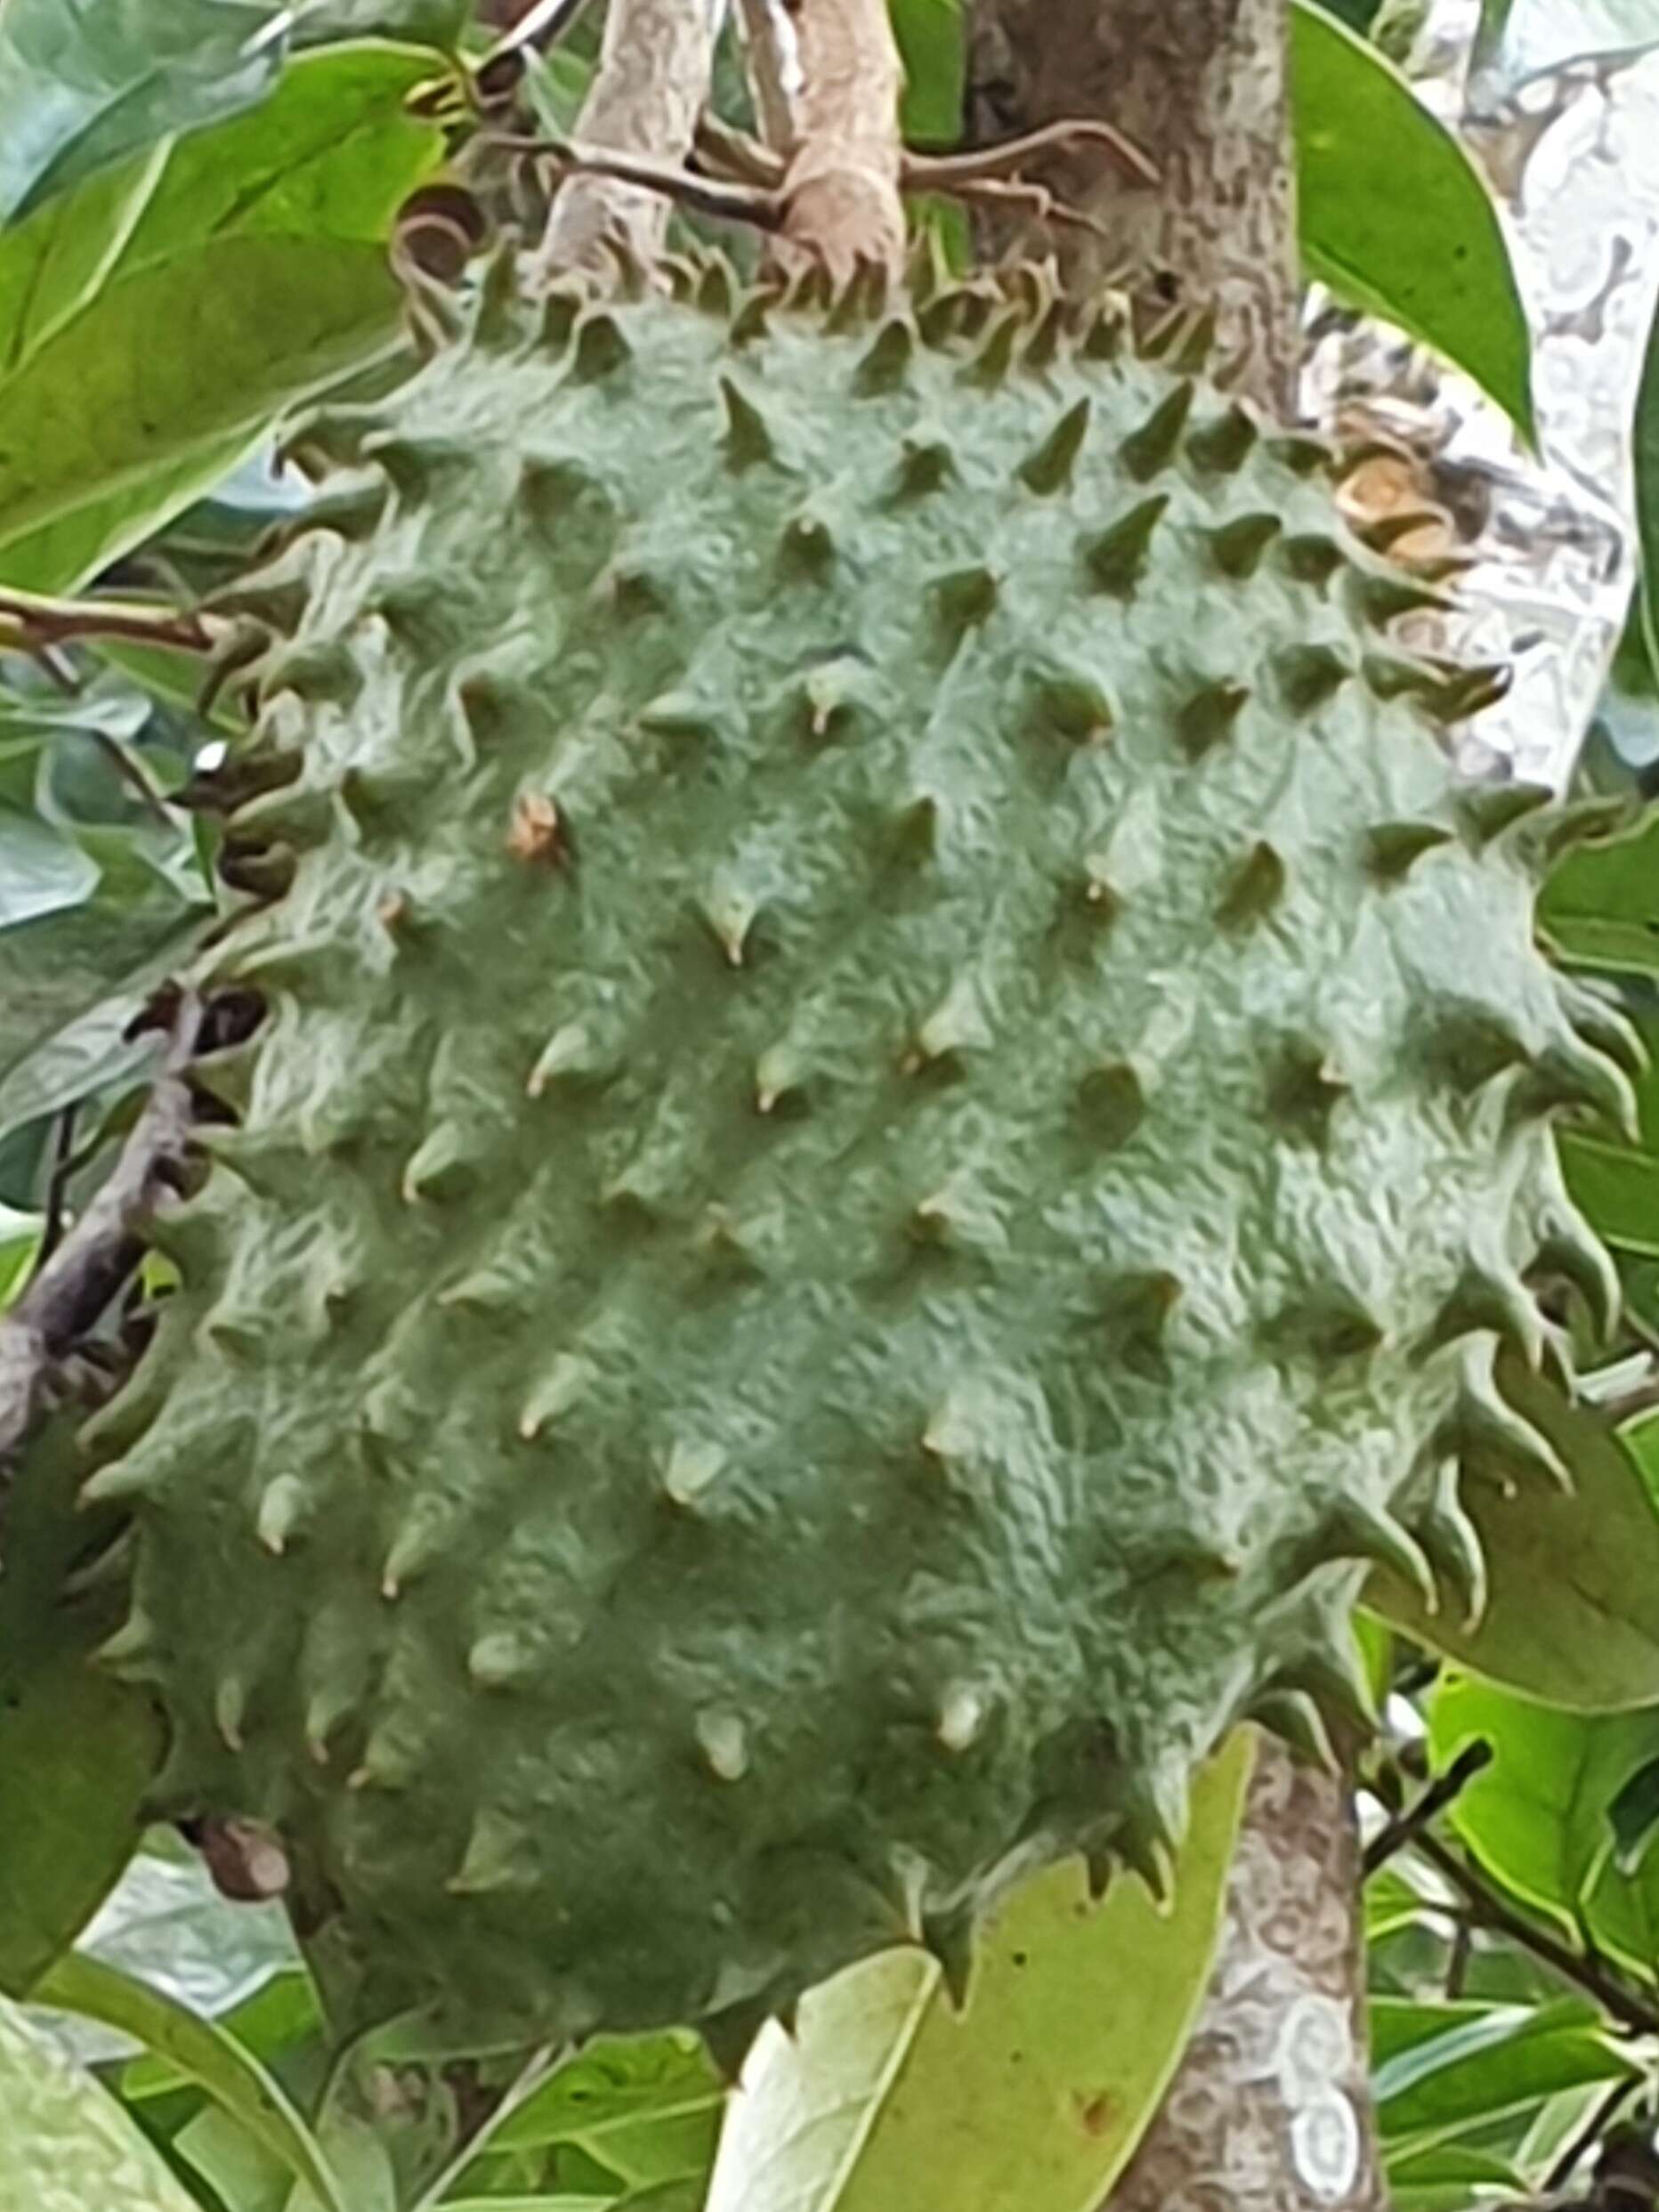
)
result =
(901, 1113)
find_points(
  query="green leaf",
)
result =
(1395, 218)
(233, 2164)
(1537, 1817)
(1633, 1816)
(251, 268)
(60, 557)
(18, 1249)
(932, 48)
(282, 2013)
(1573, 1617)
(201, 2049)
(77, 1749)
(84, 84)
(1447, 2177)
(1036, 2095)
(1438, 2069)
(40, 872)
(68, 2145)
(1600, 907)
(1615, 1188)
(647, 2109)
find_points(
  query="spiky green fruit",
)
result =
(900, 1115)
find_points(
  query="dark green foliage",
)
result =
(853, 1220)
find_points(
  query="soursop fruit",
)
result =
(900, 1114)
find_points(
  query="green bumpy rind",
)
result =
(901, 1112)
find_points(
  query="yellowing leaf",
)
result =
(1035, 2095)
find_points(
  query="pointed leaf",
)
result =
(1395, 218)
(77, 1749)
(1600, 907)
(1572, 1617)
(85, 85)
(1441, 2068)
(246, 265)
(1538, 1817)
(201, 2049)
(68, 2145)
(1036, 2095)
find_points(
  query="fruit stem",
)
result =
(654, 69)
(841, 187)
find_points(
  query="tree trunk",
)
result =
(1200, 88)
(1268, 2112)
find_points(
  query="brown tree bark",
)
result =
(1200, 88)
(1269, 2111)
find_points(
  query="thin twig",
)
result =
(69, 1295)
(57, 1188)
(1590, 2133)
(1015, 195)
(1488, 1910)
(949, 173)
(1407, 1827)
(29, 621)
(132, 773)
(707, 196)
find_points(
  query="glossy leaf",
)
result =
(1573, 1617)
(233, 2164)
(645, 2108)
(201, 2049)
(1439, 2069)
(166, 1925)
(69, 2146)
(1036, 2095)
(41, 871)
(1395, 218)
(77, 1749)
(1448, 2178)
(62, 555)
(252, 268)
(85, 85)
(1537, 1819)
(1633, 1814)
(279, 2015)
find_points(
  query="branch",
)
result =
(1406, 1827)
(707, 196)
(30, 623)
(1590, 2134)
(71, 1291)
(1488, 1910)
(654, 71)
